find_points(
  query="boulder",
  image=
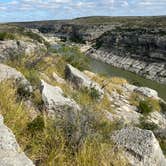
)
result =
(147, 92)
(7, 72)
(11, 48)
(140, 147)
(10, 152)
(79, 79)
(56, 102)
(157, 118)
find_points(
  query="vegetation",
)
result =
(73, 56)
(6, 36)
(147, 125)
(48, 142)
(163, 145)
(144, 107)
(145, 104)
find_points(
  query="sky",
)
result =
(32, 10)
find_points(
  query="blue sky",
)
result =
(26, 10)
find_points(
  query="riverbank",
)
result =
(100, 67)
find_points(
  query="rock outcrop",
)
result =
(137, 44)
(13, 48)
(55, 101)
(10, 152)
(7, 73)
(140, 50)
(145, 91)
(79, 79)
(140, 147)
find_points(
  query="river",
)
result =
(97, 66)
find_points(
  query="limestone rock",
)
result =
(79, 79)
(140, 147)
(10, 152)
(157, 118)
(7, 72)
(55, 101)
(147, 92)
(11, 48)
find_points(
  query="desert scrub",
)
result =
(6, 36)
(14, 111)
(73, 56)
(36, 97)
(140, 101)
(144, 124)
(94, 93)
(104, 104)
(109, 84)
(93, 153)
(145, 107)
(48, 142)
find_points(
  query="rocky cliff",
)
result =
(137, 44)
(139, 50)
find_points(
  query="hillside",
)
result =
(55, 111)
(124, 42)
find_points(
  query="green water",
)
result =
(97, 66)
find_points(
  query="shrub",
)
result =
(73, 56)
(37, 99)
(36, 125)
(6, 36)
(147, 125)
(94, 153)
(33, 76)
(22, 91)
(144, 107)
(94, 93)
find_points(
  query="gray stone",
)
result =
(140, 147)
(157, 118)
(55, 100)
(7, 73)
(10, 152)
(79, 79)
(147, 92)
(11, 48)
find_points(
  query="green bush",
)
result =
(147, 125)
(23, 91)
(144, 107)
(73, 56)
(36, 125)
(6, 35)
(94, 93)
(33, 77)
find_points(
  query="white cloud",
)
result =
(54, 9)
